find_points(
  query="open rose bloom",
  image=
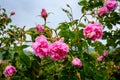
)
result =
(40, 46)
(77, 62)
(102, 11)
(58, 50)
(111, 5)
(93, 31)
(9, 71)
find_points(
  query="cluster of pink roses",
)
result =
(56, 50)
(109, 5)
(93, 31)
(42, 48)
(105, 54)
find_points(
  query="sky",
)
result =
(27, 11)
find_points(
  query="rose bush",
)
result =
(80, 49)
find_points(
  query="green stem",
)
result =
(44, 21)
(81, 18)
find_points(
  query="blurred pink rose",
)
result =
(93, 31)
(117, 67)
(111, 5)
(12, 13)
(105, 53)
(0, 61)
(102, 11)
(58, 50)
(100, 58)
(9, 71)
(5, 18)
(44, 13)
(40, 46)
(40, 28)
(77, 62)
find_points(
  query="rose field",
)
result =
(87, 48)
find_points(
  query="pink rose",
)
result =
(40, 28)
(100, 58)
(111, 5)
(105, 53)
(117, 67)
(93, 31)
(9, 71)
(58, 50)
(77, 62)
(102, 11)
(40, 46)
(44, 13)
(12, 13)
(0, 61)
(40, 38)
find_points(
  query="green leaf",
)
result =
(24, 46)
(109, 26)
(81, 25)
(83, 3)
(24, 59)
(3, 9)
(48, 32)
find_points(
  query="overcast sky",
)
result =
(27, 11)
